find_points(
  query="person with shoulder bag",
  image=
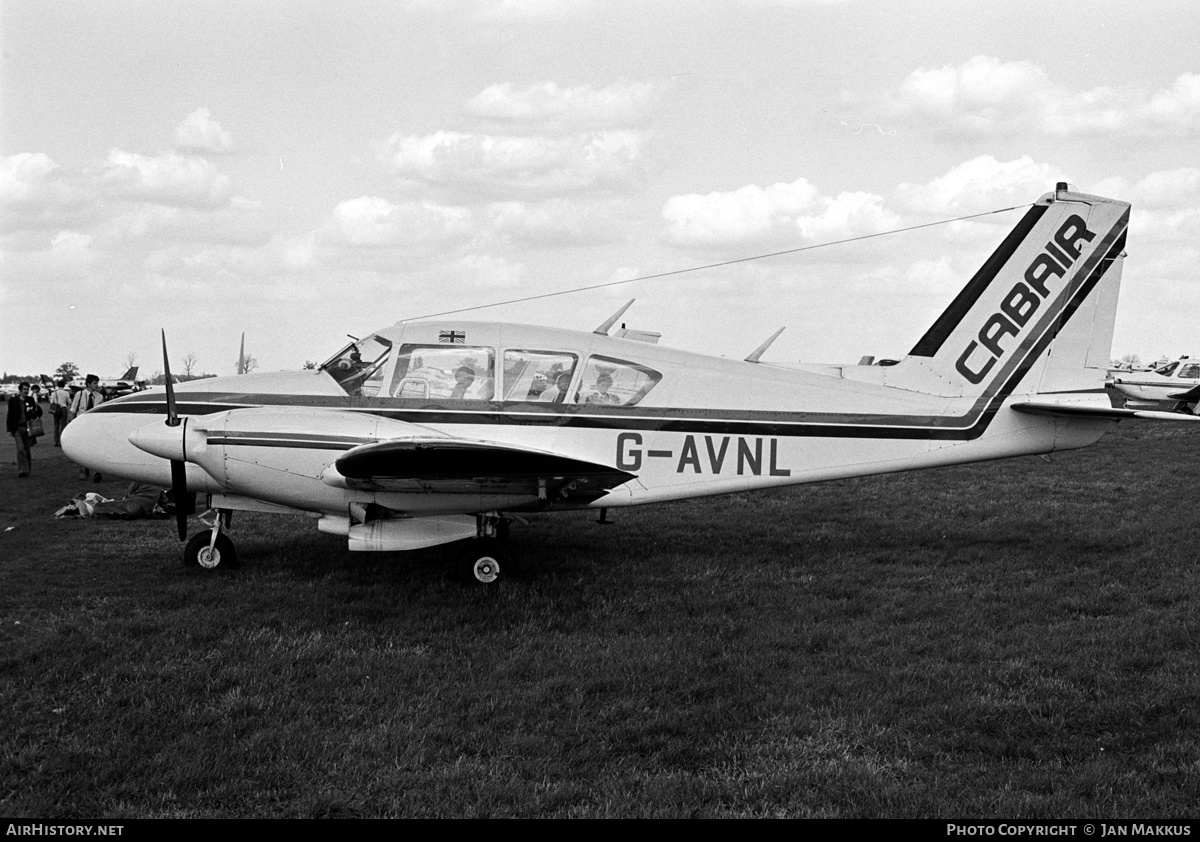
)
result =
(17, 423)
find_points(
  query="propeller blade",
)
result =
(172, 413)
(178, 469)
(179, 492)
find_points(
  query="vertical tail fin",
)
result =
(1039, 314)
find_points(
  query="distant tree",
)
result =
(189, 363)
(1131, 360)
(249, 363)
(66, 371)
(131, 359)
(309, 364)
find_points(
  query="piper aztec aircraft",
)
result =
(1175, 385)
(426, 433)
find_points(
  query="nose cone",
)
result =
(160, 439)
(100, 441)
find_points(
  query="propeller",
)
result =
(183, 506)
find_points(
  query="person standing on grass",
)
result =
(17, 423)
(88, 398)
(60, 405)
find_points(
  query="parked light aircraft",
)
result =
(426, 433)
(1173, 385)
(114, 387)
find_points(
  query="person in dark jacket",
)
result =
(21, 409)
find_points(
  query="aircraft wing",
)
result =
(1190, 395)
(457, 465)
(1073, 410)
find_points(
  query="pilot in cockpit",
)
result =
(558, 391)
(346, 369)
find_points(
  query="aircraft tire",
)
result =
(484, 563)
(223, 555)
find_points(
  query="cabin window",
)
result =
(444, 372)
(611, 382)
(543, 376)
(1192, 370)
(358, 367)
(1167, 370)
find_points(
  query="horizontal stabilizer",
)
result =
(1074, 410)
(1190, 395)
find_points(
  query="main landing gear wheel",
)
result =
(221, 556)
(484, 563)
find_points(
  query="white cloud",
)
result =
(986, 96)
(1177, 108)
(1166, 209)
(199, 132)
(557, 222)
(24, 175)
(777, 214)
(517, 165)
(980, 184)
(973, 96)
(168, 179)
(525, 10)
(488, 272)
(35, 192)
(1171, 189)
(373, 222)
(551, 107)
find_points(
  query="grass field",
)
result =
(1013, 639)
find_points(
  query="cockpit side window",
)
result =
(612, 382)
(1167, 370)
(444, 372)
(358, 367)
(543, 376)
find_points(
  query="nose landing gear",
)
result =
(212, 550)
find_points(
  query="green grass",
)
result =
(1014, 639)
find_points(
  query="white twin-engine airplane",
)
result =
(428, 433)
(1174, 385)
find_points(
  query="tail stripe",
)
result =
(939, 332)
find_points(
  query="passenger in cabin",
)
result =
(558, 391)
(463, 378)
(602, 395)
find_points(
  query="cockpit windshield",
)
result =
(358, 367)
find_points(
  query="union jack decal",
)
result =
(453, 337)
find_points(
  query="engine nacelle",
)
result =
(280, 453)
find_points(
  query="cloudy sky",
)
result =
(303, 170)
